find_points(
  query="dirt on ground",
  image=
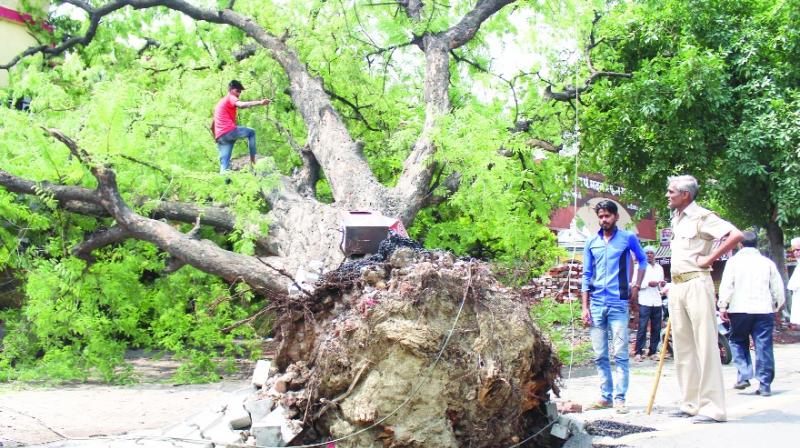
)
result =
(35, 414)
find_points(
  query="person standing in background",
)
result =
(750, 294)
(794, 287)
(649, 306)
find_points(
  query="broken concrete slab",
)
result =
(276, 429)
(560, 431)
(183, 430)
(552, 410)
(237, 416)
(258, 408)
(221, 435)
(261, 373)
(192, 427)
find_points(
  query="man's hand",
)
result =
(652, 283)
(634, 296)
(265, 101)
(704, 261)
(587, 317)
(723, 314)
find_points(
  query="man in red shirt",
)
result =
(226, 132)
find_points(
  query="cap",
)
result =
(235, 85)
(649, 249)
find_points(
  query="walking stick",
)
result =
(660, 366)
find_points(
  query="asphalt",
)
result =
(753, 421)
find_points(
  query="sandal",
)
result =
(638, 358)
(600, 404)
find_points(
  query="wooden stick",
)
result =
(660, 366)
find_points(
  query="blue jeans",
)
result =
(651, 314)
(225, 145)
(610, 322)
(760, 327)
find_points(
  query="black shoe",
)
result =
(764, 391)
(680, 414)
(742, 385)
(702, 419)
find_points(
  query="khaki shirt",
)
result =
(693, 234)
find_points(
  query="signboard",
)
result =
(581, 221)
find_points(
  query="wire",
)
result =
(566, 285)
(534, 435)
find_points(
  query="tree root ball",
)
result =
(376, 351)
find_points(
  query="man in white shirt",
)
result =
(794, 287)
(650, 306)
(750, 294)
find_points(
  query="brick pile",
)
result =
(562, 282)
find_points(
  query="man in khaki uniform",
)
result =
(691, 301)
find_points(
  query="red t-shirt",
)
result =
(225, 115)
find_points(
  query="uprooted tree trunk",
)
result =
(415, 350)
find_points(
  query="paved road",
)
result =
(753, 421)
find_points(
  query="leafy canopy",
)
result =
(714, 93)
(145, 109)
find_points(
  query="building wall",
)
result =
(13, 34)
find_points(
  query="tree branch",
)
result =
(102, 238)
(355, 108)
(305, 179)
(94, 21)
(350, 177)
(203, 255)
(571, 92)
(418, 168)
(544, 144)
(87, 202)
(413, 8)
(465, 30)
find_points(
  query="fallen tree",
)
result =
(509, 367)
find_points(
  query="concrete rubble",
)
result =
(252, 416)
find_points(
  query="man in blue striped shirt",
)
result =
(606, 294)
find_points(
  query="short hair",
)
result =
(685, 183)
(796, 242)
(750, 239)
(650, 249)
(607, 205)
(235, 84)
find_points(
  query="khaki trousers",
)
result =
(697, 362)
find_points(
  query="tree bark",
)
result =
(776, 248)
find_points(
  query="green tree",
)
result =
(110, 184)
(714, 93)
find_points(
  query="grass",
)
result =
(561, 324)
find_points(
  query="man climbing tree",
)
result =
(226, 132)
